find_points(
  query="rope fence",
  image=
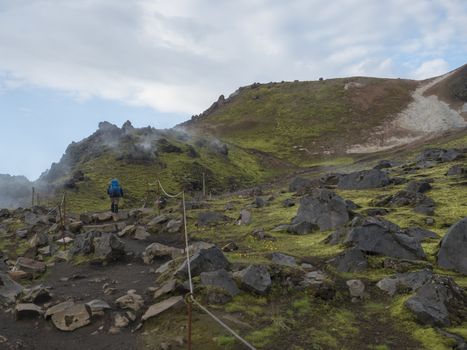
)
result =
(190, 299)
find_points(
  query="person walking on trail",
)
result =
(115, 192)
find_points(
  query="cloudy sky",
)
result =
(66, 65)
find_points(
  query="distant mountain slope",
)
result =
(306, 121)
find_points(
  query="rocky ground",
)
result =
(373, 259)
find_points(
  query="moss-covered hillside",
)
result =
(302, 121)
(140, 157)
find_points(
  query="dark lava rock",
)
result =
(421, 203)
(377, 236)
(324, 209)
(452, 253)
(405, 282)
(209, 218)
(331, 179)
(418, 186)
(351, 205)
(300, 184)
(456, 170)
(287, 203)
(441, 302)
(419, 234)
(206, 260)
(337, 236)
(259, 202)
(221, 279)
(9, 289)
(352, 260)
(384, 164)
(440, 155)
(283, 259)
(255, 278)
(376, 211)
(373, 178)
(108, 247)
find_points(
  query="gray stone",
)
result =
(36, 294)
(420, 234)
(210, 218)
(39, 240)
(155, 250)
(356, 288)
(405, 281)
(314, 279)
(376, 236)
(108, 247)
(9, 289)
(300, 184)
(141, 234)
(159, 308)
(456, 170)
(438, 302)
(127, 231)
(221, 279)
(255, 278)
(324, 209)
(102, 217)
(97, 306)
(283, 259)
(418, 186)
(245, 217)
(28, 310)
(351, 260)
(364, 179)
(174, 225)
(205, 260)
(131, 300)
(452, 253)
(166, 288)
(30, 265)
(58, 308)
(71, 318)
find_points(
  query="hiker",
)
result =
(115, 191)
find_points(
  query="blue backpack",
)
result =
(114, 189)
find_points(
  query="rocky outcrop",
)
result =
(452, 253)
(419, 201)
(403, 282)
(322, 210)
(255, 278)
(364, 179)
(205, 260)
(220, 279)
(441, 302)
(351, 260)
(382, 237)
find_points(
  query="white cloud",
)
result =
(179, 55)
(430, 69)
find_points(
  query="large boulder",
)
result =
(108, 247)
(104, 246)
(9, 289)
(419, 234)
(255, 278)
(452, 253)
(378, 236)
(373, 178)
(220, 279)
(419, 201)
(205, 260)
(322, 209)
(403, 282)
(441, 302)
(351, 260)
